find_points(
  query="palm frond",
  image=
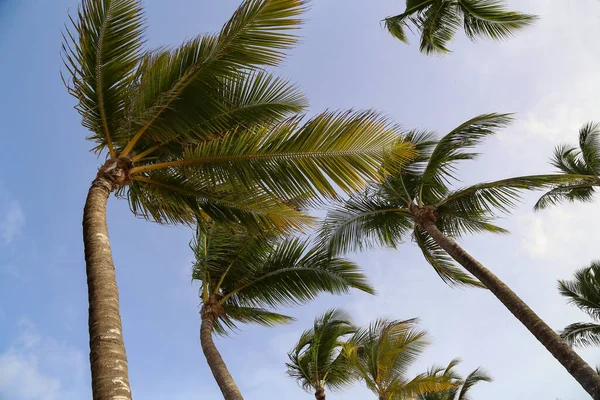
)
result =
(438, 25)
(442, 263)
(452, 148)
(248, 315)
(584, 290)
(575, 192)
(476, 376)
(490, 19)
(257, 35)
(363, 222)
(101, 51)
(582, 334)
(295, 160)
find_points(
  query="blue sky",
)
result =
(548, 75)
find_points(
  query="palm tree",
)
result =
(317, 361)
(418, 199)
(243, 275)
(439, 20)
(199, 130)
(583, 161)
(583, 292)
(463, 386)
(381, 354)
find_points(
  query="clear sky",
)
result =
(548, 75)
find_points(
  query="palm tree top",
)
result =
(317, 361)
(439, 20)
(463, 386)
(421, 190)
(202, 130)
(583, 162)
(243, 275)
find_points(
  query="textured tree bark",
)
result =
(215, 361)
(587, 377)
(320, 394)
(110, 379)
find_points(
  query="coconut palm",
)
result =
(418, 201)
(583, 161)
(439, 20)
(317, 361)
(199, 129)
(463, 386)
(244, 276)
(381, 354)
(583, 292)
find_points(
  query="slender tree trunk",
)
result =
(215, 361)
(110, 380)
(587, 377)
(320, 394)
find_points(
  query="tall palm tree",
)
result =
(317, 361)
(244, 275)
(199, 130)
(583, 292)
(439, 20)
(583, 161)
(381, 354)
(417, 200)
(463, 386)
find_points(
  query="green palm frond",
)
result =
(437, 21)
(101, 51)
(453, 147)
(382, 353)
(173, 82)
(438, 25)
(251, 272)
(420, 384)
(293, 159)
(476, 376)
(589, 145)
(363, 222)
(317, 361)
(582, 334)
(490, 19)
(584, 290)
(248, 315)
(442, 263)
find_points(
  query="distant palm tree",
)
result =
(317, 361)
(244, 275)
(583, 161)
(199, 130)
(439, 20)
(381, 354)
(583, 292)
(417, 201)
(461, 390)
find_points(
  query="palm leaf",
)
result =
(438, 25)
(101, 51)
(248, 315)
(490, 19)
(442, 263)
(582, 334)
(584, 290)
(476, 376)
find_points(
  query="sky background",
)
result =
(547, 74)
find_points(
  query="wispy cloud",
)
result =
(37, 367)
(12, 220)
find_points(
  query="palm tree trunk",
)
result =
(215, 361)
(110, 380)
(320, 394)
(587, 377)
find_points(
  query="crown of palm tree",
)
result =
(388, 214)
(582, 162)
(584, 293)
(381, 354)
(463, 386)
(243, 274)
(201, 129)
(317, 361)
(439, 20)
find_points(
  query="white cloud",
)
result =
(12, 220)
(37, 367)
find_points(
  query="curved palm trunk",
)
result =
(587, 377)
(215, 361)
(320, 394)
(110, 380)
